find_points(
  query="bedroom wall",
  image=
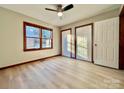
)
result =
(11, 39)
(103, 16)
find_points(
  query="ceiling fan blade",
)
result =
(68, 7)
(51, 9)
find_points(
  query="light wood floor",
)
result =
(61, 72)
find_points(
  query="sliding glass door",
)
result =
(66, 42)
(84, 42)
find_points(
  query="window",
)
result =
(82, 46)
(37, 37)
(46, 38)
(32, 37)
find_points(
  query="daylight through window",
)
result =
(37, 37)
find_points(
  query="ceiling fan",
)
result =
(61, 9)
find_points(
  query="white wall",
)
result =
(11, 39)
(103, 16)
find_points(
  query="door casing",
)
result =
(71, 40)
(75, 41)
(92, 40)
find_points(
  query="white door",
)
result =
(84, 43)
(106, 42)
(66, 43)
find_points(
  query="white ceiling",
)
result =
(80, 11)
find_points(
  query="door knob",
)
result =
(95, 44)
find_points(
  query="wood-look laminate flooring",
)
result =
(61, 72)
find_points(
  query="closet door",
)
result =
(84, 42)
(106, 42)
(66, 43)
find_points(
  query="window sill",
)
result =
(26, 50)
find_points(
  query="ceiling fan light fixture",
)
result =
(59, 9)
(60, 14)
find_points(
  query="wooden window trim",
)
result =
(38, 26)
(71, 40)
(51, 40)
(92, 36)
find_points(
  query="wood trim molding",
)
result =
(121, 40)
(66, 29)
(122, 12)
(28, 62)
(61, 39)
(51, 42)
(38, 26)
(92, 36)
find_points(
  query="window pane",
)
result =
(46, 33)
(32, 31)
(84, 44)
(46, 43)
(33, 43)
